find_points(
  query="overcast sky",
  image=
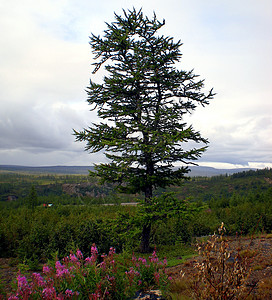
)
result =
(45, 66)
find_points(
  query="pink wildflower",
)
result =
(79, 254)
(112, 251)
(24, 289)
(61, 271)
(49, 293)
(94, 250)
(73, 258)
(88, 261)
(46, 269)
(142, 260)
(95, 296)
(103, 265)
(58, 265)
(69, 293)
(38, 279)
(112, 278)
(157, 277)
(22, 281)
(153, 258)
(72, 268)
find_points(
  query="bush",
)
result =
(221, 274)
(77, 278)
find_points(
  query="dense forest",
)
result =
(30, 229)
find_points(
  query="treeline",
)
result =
(75, 189)
(57, 189)
(224, 186)
(259, 172)
(19, 185)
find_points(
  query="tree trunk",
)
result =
(148, 191)
(145, 239)
(145, 247)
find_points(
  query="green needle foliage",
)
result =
(141, 104)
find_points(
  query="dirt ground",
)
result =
(257, 249)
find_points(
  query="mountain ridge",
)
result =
(196, 171)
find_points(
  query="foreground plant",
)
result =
(221, 274)
(77, 278)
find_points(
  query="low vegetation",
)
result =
(76, 277)
(34, 235)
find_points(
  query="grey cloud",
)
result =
(45, 127)
(249, 141)
(46, 65)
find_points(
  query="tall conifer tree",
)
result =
(141, 104)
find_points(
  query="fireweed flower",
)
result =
(89, 261)
(132, 272)
(94, 250)
(112, 251)
(38, 279)
(69, 293)
(79, 254)
(95, 296)
(61, 271)
(142, 260)
(22, 282)
(112, 278)
(49, 293)
(66, 269)
(103, 265)
(58, 265)
(153, 258)
(157, 277)
(72, 268)
(73, 258)
(24, 289)
(46, 269)
(66, 260)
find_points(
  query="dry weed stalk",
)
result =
(221, 274)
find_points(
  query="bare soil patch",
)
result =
(257, 250)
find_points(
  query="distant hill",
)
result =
(84, 170)
(209, 171)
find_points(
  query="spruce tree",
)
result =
(141, 104)
(32, 199)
